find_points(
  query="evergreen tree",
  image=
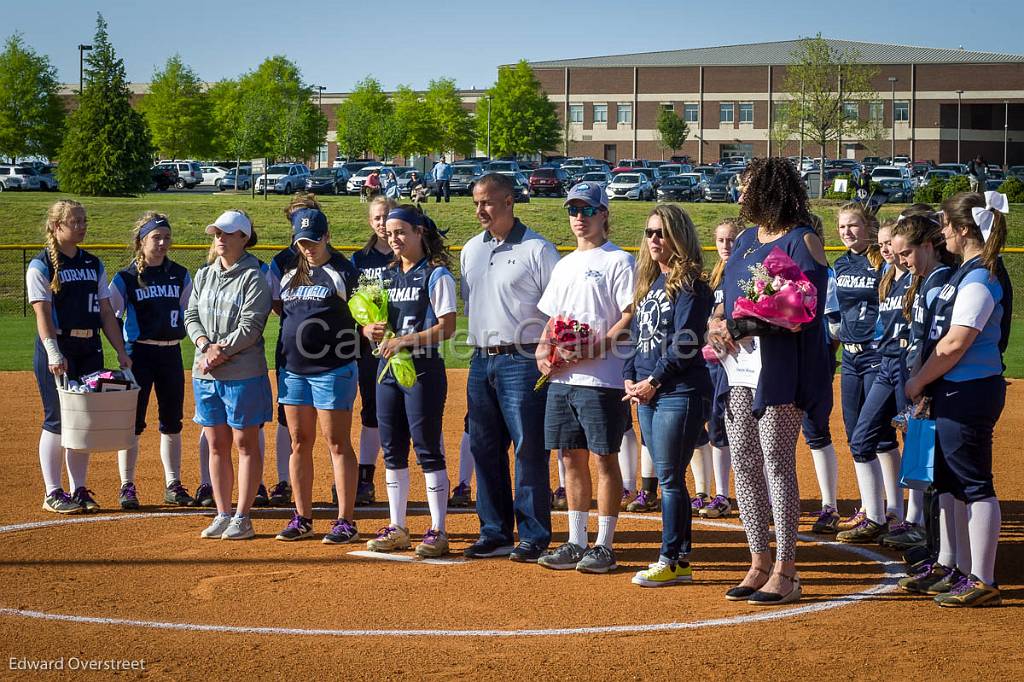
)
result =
(523, 119)
(31, 113)
(107, 149)
(178, 112)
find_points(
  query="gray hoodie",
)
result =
(230, 307)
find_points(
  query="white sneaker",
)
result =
(216, 527)
(239, 528)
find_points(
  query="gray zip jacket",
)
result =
(230, 307)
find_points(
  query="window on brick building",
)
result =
(876, 110)
(600, 113)
(624, 114)
(691, 113)
(902, 110)
(575, 113)
(747, 112)
(725, 112)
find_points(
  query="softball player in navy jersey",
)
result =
(67, 287)
(962, 372)
(885, 396)
(150, 297)
(421, 311)
(317, 378)
(371, 261)
(858, 272)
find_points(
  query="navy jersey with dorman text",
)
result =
(83, 284)
(371, 262)
(419, 297)
(318, 333)
(921, 312)
(153, 310)
(857, 291)
(893, 325)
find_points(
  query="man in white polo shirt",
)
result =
(505, 270)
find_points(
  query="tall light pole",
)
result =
(488, 127)
(959, 102)
(320, 105)
(1006, 130)
(892, 103)
(81, 70)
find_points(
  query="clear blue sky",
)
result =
(337, 44)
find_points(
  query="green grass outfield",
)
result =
(110, 221)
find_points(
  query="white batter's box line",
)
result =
(384, 556)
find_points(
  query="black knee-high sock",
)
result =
(649, 484)
(366, 473)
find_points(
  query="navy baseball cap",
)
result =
(590, 192)
(308, 223)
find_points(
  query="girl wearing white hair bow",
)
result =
(963, 375)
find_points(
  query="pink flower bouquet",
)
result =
(778, 293)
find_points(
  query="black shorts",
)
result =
(585, 418)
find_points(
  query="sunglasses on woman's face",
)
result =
(587, 211)
(655, 233)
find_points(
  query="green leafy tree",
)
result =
(242, 120)
(820, 82)
(31, 113)
(454, 123)
(523, 119)
(416, 119)
(107, 150)
(366, 120)
(672, 129)
(178, 112)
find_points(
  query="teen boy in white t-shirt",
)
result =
(585, 412)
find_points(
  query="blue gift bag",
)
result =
(918, 468)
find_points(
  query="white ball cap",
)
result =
(231, 221)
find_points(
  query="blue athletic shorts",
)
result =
(333, 390)
(585, 418)
(239, 403)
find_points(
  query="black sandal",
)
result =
(742, 592)
(760, 598)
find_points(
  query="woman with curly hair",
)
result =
(763, 423)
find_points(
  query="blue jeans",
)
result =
(670, 425)
(504, 409)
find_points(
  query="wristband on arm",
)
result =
(53, 354)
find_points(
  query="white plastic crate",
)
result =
(97, 421)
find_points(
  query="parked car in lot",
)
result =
(164, 176)
(327, 181)
(47, 179)
(897, 190)
(503, 167)
(720, 187)
(283, 178)
(550, 181)
(522, 192)
(189, 173)
(236, 179)
(1015, 172)
(405, 179)
(993, 184)
(602, 178)
(958, 168)
(937, 173)
(680, 188)
(354, 165)
(881, 172)
(464, 176)
(633, 163)
(17, 178)
(900, 160)
(634, 186)
(212, 175)
(708, 170)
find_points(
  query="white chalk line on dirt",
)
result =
(891, 571)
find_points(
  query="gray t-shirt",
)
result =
(502, 282)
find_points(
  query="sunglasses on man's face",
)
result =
(654, 233)
(587, 211)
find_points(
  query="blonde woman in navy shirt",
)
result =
(963, 375)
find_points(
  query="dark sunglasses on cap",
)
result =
(587, 211)
(652, 233)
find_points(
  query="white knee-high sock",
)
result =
(963, 537)
(647, 463)
(947, 531)
(78, 468)
(702, 467)
(398, 494)
(204, 459)
(51, 460)
(629, 456)
(826, 468)
(984, 520)
(263, 445)
(915, 507)
(170, 456)
(561, 470)
(437, 497)
(869, 481)
(578, 528)
(606, 530)
(890, 461)
(369, 445)
(466, 461)
(283, 449)
(722, 462)
(126, 462)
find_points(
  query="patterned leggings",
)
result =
(768, 442)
